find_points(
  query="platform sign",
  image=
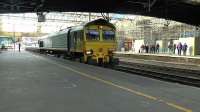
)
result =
(41, 17)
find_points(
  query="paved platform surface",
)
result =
(35, 83)
(161, 63)
(160, 54)
(158, 60)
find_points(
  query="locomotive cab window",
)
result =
(92, 35)
(108, 35)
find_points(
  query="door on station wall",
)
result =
(128, 44)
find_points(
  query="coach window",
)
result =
(92, 35)
(81, 35)
(75, 37)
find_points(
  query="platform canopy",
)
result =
(187, 11)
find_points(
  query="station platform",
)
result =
(166, 60)
(38, 83)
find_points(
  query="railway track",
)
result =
(186, 78)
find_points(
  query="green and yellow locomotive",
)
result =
(93, 42)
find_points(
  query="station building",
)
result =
(151, 31)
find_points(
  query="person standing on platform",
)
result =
(179, 47)
(170, 48)
(19, 47)
(185, 49)
(147, 48)
(150, 48)
(154, 49)
(157, 48)
(174, 48)
(142, 48)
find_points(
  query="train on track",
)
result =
(92, 42)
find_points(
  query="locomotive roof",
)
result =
(55, 33)
(94, 22)
(74, 28)
(100, 22)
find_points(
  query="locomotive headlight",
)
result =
(88, 52)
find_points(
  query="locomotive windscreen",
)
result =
(108, 35)
(93, 35)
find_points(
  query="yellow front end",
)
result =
(99, 44)
(100, 52)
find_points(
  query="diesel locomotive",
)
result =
(92, 42)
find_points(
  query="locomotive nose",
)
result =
(100, 49)
(100, 53)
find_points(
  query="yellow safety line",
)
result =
(178, 107)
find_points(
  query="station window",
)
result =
(108, 35)
(92, 35)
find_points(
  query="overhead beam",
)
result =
(180, 10)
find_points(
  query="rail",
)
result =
(182, 76)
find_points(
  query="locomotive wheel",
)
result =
(72, 56)
(89, 61)
(58, 55)
(100, 63)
